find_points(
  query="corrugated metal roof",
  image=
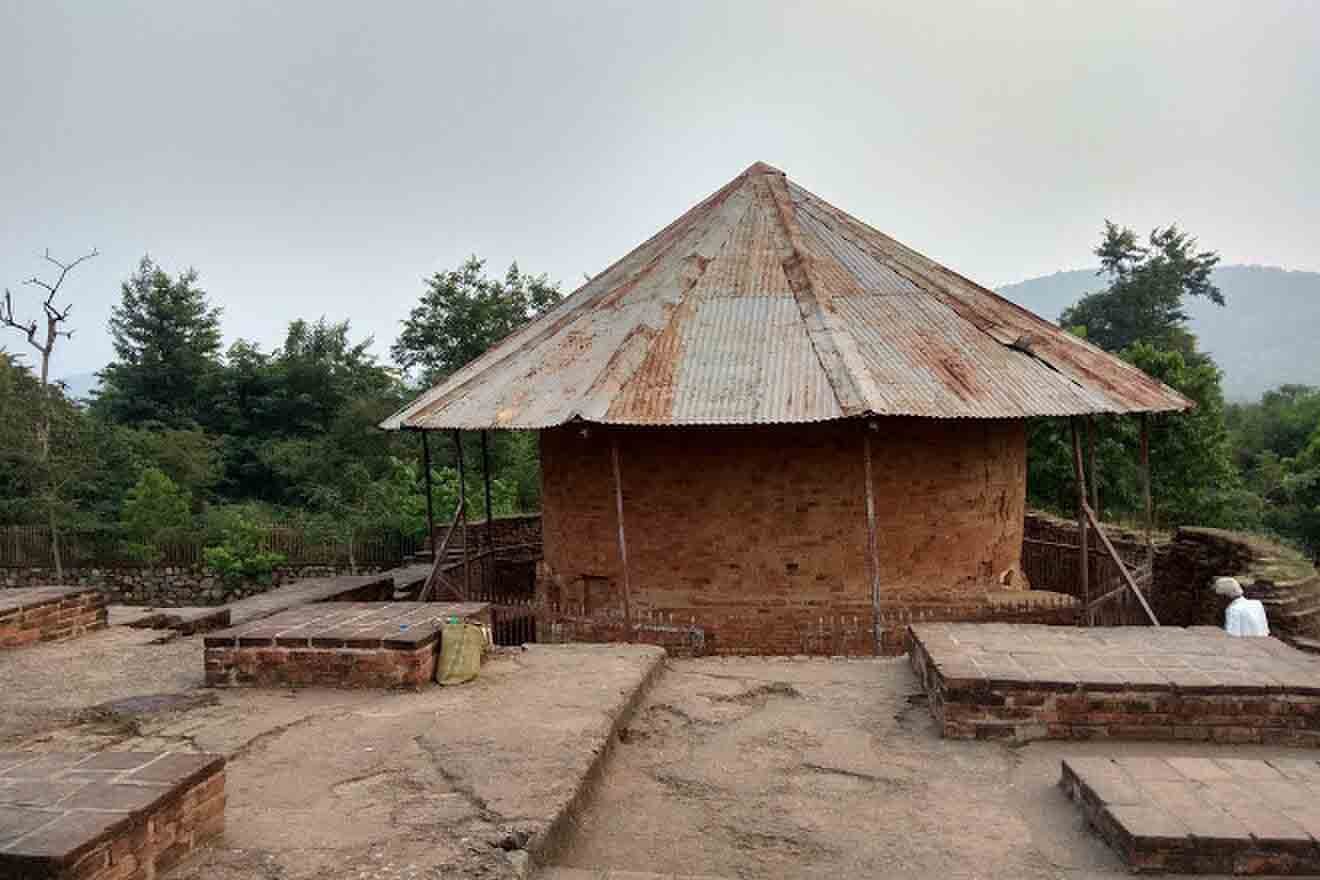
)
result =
(766, 304)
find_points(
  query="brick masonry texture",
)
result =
(1202, 815)
(49, 614)
(107, 815)
(342, 644)
(1024, 682)
(759, 535)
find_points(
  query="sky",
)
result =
(324, 158)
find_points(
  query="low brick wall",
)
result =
(108, 815)
(55, 619)
(974, 695)
(273, 666)
(355, 645)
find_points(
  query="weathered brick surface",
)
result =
(49, 614)
(106, 816)
(759, 535)
(341, 644)
(1202, 816)
(1022, 682)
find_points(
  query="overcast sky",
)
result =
(324, 157)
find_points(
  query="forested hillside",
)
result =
(1262, 337)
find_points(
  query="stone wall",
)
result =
(759, 535)
(166, 586)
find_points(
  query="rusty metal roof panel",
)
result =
(765, 304)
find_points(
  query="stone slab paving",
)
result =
(1024, 681)
(1202, 815)
(404, 625)
(107, 814)
(29, 597)
(311, 590)
(337, 644)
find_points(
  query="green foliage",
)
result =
(463, 313)
(1277, 443)
(235, 551)
(1140, 316)
(1147, 283)
(167, 344)
(155, 511)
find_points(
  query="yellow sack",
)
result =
(461, 647)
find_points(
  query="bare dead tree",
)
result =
(55, 317)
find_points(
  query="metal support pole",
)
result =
(872, 545)
(462, 512)
(1084, 571)
(430, 508)
(1094, 466)
(623, 541)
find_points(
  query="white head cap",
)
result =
(1228, 587)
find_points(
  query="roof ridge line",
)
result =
(847, 394)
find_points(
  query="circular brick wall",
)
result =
(759, 534)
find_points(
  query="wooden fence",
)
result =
(1054, 565)
(30, 547)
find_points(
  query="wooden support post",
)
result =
(1094, 469)
(623, 541)
(488, 560)
(1118, 561)
(485, 474)
(872, 545)
(430, 510)
(1145, 481)
(462, 512)
(1079, 472)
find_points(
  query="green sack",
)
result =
(461, 647)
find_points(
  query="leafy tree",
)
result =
(236, 550)
(167, 345)
(1147, 283)
(155, 511)
(463, 313)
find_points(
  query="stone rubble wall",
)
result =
(168, 586)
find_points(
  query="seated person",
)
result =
(1243, 617)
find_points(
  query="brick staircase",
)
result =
(1293, 610)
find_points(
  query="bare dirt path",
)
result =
(803, 769)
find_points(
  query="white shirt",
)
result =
(1246, 617)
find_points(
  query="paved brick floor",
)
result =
(1024, 682)
(1203, 815)
(105, 814)
(337, 644)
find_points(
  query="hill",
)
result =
(1267, 334)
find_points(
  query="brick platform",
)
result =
(49, 614)
(1202, 815)
(1023, 682)
(341, 644)
(120, 815)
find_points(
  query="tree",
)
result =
(167, 346)
(154, 511)
(1147, 283)
(55, 316)
(463, 313)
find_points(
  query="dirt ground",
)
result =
(443, 782)
(760, 768)
(772, 768)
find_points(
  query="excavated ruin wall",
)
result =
(759, 535)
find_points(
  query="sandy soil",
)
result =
(829, 769)
(443, 782)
